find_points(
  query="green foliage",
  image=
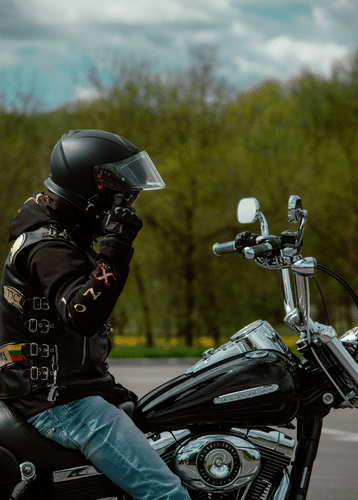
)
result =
(212, 147)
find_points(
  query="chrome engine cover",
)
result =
(217, 462)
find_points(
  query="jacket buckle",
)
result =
(45, 350)
(34, 373)
(40, 304)
(45, 373)
(34, 349)
(33, 325)
(42, 326)
(39, 373)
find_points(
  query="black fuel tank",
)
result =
(240, 384)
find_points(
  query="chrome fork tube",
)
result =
(287, 295)
(286, 290)
(301, 297)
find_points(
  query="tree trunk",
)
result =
(144, 305)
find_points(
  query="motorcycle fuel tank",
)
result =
(250, 381)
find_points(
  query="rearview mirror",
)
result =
(248, 210)
(294, 209)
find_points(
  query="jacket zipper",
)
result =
(84, 351)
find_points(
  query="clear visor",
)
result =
(136, 172)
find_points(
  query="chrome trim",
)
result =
(181, 434)
(197, 450)
(305, 267)
(114, 498)
(257, 336)
(225, 351)
(74, 473)
(272, 440)
(350, 338)
(246, 330)
(246, 394)
(166, 439)
(328, 337)
(301, 297)
(294, 212)
(28, 474)
(283, 489)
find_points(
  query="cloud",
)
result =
(255, 38)
(135, 12)
(286, 51)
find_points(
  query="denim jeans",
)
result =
(108, 438)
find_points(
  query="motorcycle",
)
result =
(244, 422)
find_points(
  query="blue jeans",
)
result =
(108, 438)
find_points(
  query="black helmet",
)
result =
(89, 166)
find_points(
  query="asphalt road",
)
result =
(335, 473)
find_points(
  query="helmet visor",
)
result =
(136, 172)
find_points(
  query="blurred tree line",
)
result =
(212, 145)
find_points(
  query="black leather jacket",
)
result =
(56, 295)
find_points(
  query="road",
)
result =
(335, 473)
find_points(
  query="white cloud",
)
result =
(125, 11)
(314, 54)
(255, 38)
(344, 4)
(83, 92)
(250, 66)
(239, 29)
(323, 19)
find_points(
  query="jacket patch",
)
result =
(14, 297)
(10, 354)
(16, 246)
(105, 275)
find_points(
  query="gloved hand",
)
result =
(245, 239)
(123, 222)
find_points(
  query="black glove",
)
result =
(245, 239)
(123, 222)
(124, 394)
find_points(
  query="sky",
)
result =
(48, 46)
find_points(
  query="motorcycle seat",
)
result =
(10, 470)
(28, 445)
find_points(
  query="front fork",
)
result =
(305, 456)
(294, 486)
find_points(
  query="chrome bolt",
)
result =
(328, 398)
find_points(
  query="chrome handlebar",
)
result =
(284, 254)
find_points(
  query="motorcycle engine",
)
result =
(238, 464)
(217, 462)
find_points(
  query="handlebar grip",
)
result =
(221, 248)
(263, 250)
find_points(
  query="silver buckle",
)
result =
(34, 373)
(42, 326)
(32, 325)
(34, 349)
(40, 304)
(39, 373)
(45, 373)
(45, 350)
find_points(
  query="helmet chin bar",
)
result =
(93, 209)
(96, 211)
(96, 208)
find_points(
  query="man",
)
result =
(57, 294)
